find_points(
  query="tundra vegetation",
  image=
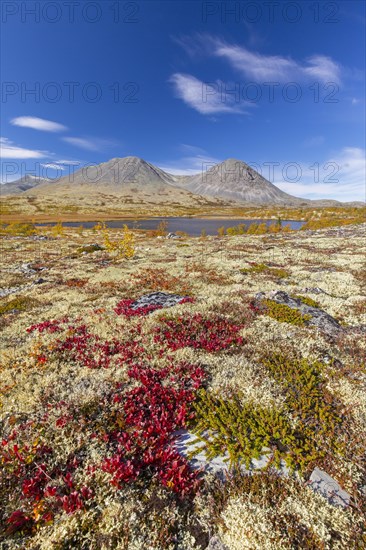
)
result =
(94, 391)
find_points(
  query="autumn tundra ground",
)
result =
(96, 388)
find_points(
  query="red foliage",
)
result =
(18, 521)
(85, 348)
(47, 326)
(124, 307)
(153, 411)
(197, 332)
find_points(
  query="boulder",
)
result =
(161, 299)
(318, 317)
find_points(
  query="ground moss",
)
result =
(89, 248)
(285, 314)
(306, 300)
(21, 303)
(263, 268)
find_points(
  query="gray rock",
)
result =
(216, 544)
(314, 290)
(185, 444)
(7, 291)
(318, 317)
(324, 484)
(162, 299)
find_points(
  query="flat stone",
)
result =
(324, 484)
(162, 299)
(220, 464)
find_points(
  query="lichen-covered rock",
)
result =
(318, 317)
(162, 299)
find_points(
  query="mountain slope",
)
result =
(121, 181)
(117, 175)
(235, 180)
(136, 180)
(22, 185)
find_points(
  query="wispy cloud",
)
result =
(82, 143)
(53, 166)
(191, 149)
(188, 165)
(207, 97)
(38, 124)
(322, 68)
(90, 144)
(261, 67)
(341, 177)
(69, 162)
(10, 151)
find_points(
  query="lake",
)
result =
(192, 226)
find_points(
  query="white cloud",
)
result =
(341, 177)
(81, 142)
(267, 68)
(207, 98)
(90, 144)
(10, 151)
(188, 166)
(38, 124)
(53, 166)
(264, 68)
(320, 67)
(192, 149)
(69, 162)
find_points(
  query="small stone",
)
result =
(216, 544)
(324, 484)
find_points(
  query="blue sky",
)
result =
(185, 84)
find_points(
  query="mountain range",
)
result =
(232, 180)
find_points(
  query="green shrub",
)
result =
(285, 314)
(306, 429)
(263, 268)
(241, 430)
(19, 229)
(307, 300)
(21, 303)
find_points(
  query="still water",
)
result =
(192, 226)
